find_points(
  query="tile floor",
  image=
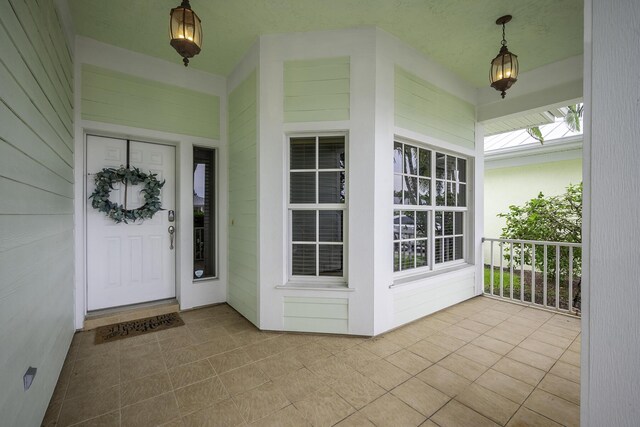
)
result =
(480, 363)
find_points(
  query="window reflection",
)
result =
(203, 213)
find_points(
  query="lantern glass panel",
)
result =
(186, 25)
(175, 27)
(198, 33)
(504, 66)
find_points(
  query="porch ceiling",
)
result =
(459, 34)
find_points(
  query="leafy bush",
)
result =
(553, 219)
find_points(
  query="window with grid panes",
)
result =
(427, 230)
(451, 207)
(317, 206)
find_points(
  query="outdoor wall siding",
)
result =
(317, 90)
(440, 293)
(118, 98)
(36, 207)
(422, 107)
(243, 231)
(328, 315)
(504, 187)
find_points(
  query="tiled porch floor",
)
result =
(480, 363)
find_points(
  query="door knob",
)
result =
(172, 231)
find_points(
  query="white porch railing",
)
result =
(538, 273)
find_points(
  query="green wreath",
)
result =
(104, 181)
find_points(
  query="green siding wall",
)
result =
(112, 97)
(36, 207)
(243, 180)
(424, 108)
(330, 315)
(504, 187)
(316, 90)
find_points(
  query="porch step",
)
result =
(109, 316)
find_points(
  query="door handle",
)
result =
(172, 231)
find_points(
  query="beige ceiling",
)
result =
(459, 34)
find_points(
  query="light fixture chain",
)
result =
(504, 40)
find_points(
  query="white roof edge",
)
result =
(561, 144)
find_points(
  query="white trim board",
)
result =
(566, 149)
(189, 293)
(114, 58)
(535, 90)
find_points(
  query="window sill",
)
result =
(407, 280)
(297, 286)
(205, 279)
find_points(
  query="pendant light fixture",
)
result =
(504, 67)
(185, 30)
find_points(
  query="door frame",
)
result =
(86, 197)
(189, 293)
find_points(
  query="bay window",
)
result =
(317, 208)
(428, 232)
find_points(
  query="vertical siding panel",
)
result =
(243, 232)
(36, 206)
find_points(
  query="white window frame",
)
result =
(216, 200)
(432, 208)
(317, 280)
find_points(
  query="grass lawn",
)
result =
(506, 282)
(565, 300)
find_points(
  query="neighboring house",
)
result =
(518, 168)
(318, 133)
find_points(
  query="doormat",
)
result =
(134, 328)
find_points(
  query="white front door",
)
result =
(130, 263)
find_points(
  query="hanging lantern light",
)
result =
(504, 67)
(185, 30)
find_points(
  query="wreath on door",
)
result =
(105, 180)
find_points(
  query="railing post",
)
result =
(558, 276)
(570, 302)
(511, 271)
(533, 273)
(501, 270)
(522, 272)
(544, 277)
(491, 270)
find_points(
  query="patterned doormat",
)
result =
(134, 328)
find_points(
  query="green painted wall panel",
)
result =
(18, 69)
(319, 87)
(317, 90)
(20, 27)
(36, 207)
(309, 314)
(15, 131)
(118, 98)
(31, 17)
(243, 202)
(422, 107)
(23, 106)
(515, 185)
